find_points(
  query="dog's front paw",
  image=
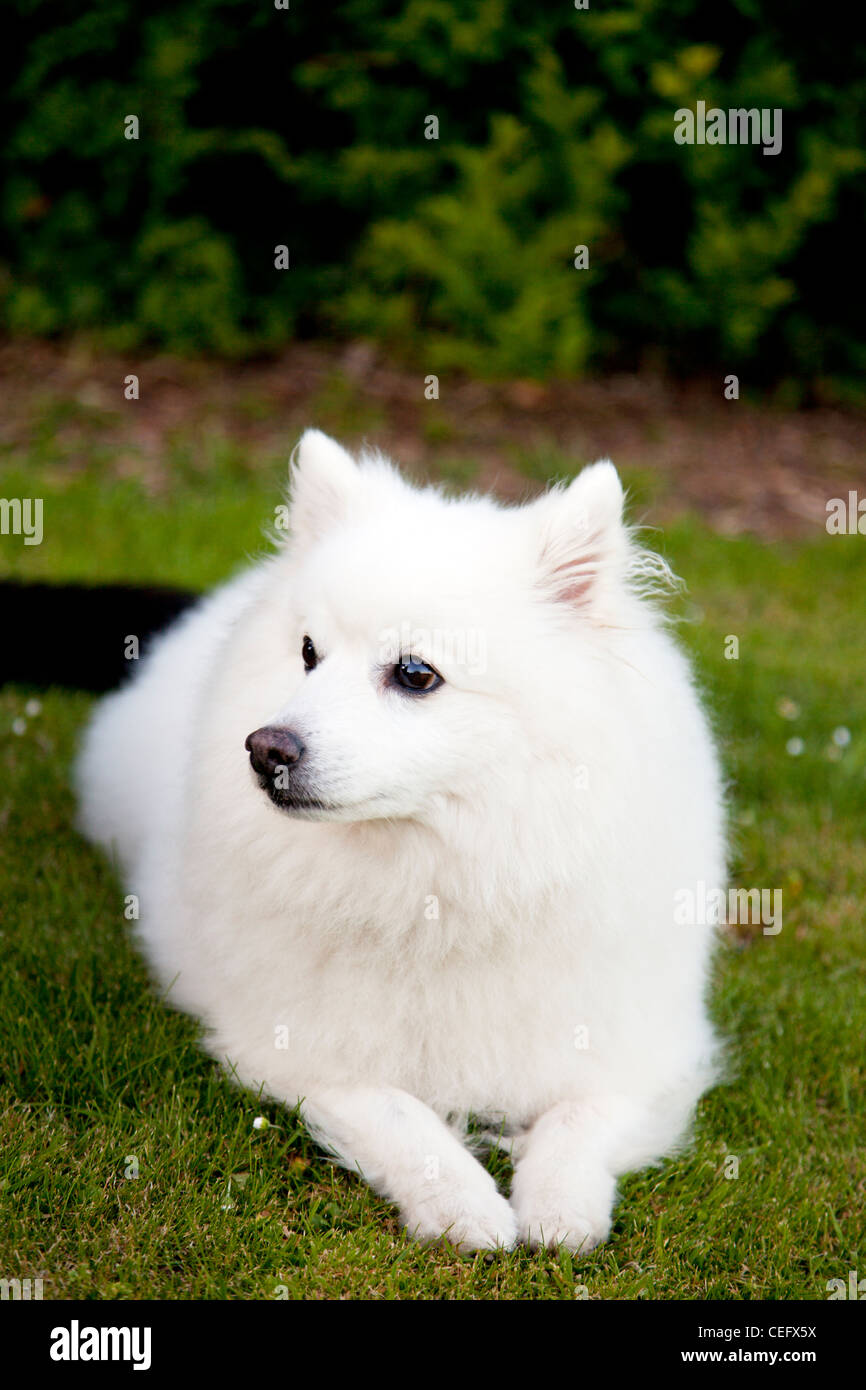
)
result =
(551, 1213)
(472, 1217)
(573, 1229)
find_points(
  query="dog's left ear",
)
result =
(324, 481)
(583, 542)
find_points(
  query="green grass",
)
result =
(96, 1070)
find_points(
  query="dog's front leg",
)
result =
(564, 1184)
(406, 1154)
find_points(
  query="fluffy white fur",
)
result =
(482, 921)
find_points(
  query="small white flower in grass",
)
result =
(841, 736)
(262, 1122)
(794, 746)
(19, 726)
(789, 709)
(32, 708)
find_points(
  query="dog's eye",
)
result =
(309, 653)
(416, 676)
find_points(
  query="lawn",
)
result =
(130, 1165)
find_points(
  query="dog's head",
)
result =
(421, 649)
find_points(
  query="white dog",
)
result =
(406, 807)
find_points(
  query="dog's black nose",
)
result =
(272, 748)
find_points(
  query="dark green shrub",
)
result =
(261, 127)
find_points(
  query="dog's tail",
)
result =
(75, 635)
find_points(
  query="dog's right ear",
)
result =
(324, 481)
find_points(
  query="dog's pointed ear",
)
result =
(584, 544)
(324, 480)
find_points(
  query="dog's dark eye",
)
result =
(309, 653)
(416, 676)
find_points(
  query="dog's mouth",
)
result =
(301, 806)
(298, 803)
(294, 801)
